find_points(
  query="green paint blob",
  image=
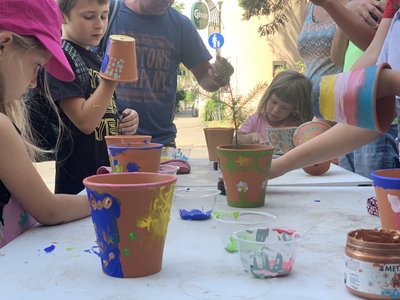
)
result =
(69, 249)
(132, 236)
(126, 252)
(232, 245)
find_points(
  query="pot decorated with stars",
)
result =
(245, 173)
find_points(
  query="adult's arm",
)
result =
(213, 76)
(360, 31)
(371, 55)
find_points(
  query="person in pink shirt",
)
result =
(286, 102)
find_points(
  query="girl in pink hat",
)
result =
(29, 40)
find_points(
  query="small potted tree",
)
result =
(244, 167)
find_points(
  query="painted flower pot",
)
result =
(135, 157)
(127, 139)
(306, 132)
(119, 63)
(216, 136)
(130, 214)
(245, 173)
(387, 190)
(281, 138)
(350, 98)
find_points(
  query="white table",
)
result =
(203, 174)
(195, 264)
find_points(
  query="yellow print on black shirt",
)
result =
(109, 124)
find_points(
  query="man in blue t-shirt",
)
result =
(164, 39)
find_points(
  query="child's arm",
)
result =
(129, 122)
(27, 187)
(249, 138)
(338, 48)
(86, 114)
(338, 140)
(371, 55)
(248, 132)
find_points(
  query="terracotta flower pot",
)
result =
(350, 98)
(130, 214)
(216, 136)
(306, 132)
(387, 190)
(281, 138)
(124, 139)
(135, 157)
(245, 173)
(119, 63)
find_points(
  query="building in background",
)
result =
(255, 58)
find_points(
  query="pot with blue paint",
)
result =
(135, 157)
(130, 214)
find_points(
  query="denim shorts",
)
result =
(381, 153)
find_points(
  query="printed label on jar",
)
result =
(373, 278)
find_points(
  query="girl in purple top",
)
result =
(286, 102)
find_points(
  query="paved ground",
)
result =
(190, 135)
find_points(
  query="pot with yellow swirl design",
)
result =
(130, 214)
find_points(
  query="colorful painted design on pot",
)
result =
(130, 213)
(158, 218)
(135, 157)
(245, 171)
(350, 98)
(105, 212)
(387, 190)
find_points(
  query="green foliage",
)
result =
(211, 108)
(300, 66)
(179, 6)
(237, 110)
(276, 13)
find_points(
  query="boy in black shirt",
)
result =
(87, 104)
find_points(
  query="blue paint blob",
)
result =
(317, 200)
(49, 249)
(195, 214)
(105, 219)
(132, 167)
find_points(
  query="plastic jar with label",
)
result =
(373, 263)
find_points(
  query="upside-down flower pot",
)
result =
(119, 63)
(245, 173)
(306, 132)
(135, 157)
(350, 98)
(216, 136)
(130, 214)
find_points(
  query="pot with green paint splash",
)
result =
(245, 172)
(130, 214)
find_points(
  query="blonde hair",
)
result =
(17, 110)
(292, 88)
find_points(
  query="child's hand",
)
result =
(129, 122)
(256, 138)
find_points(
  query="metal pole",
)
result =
(218, 53)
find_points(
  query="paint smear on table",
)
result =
(49, 249)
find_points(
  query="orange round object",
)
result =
(318, 169)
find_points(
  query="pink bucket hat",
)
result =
(41, 19)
